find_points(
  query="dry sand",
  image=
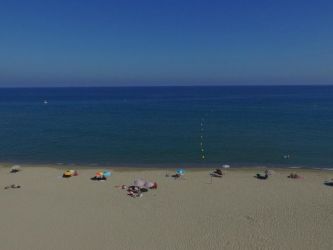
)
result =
(235, 212)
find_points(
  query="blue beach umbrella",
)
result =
(180, 171)
(107, 173)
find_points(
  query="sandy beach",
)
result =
(233, 212)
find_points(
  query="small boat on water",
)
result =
(46, 102)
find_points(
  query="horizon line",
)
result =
(169, 86)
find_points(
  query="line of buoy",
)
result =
(202, 138)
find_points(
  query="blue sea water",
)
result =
(283, 125)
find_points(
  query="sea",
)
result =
(285, 126)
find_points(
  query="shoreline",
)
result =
(167, 166)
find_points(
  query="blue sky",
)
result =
(120, 43)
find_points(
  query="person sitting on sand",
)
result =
(293, 176)
(179, 174)
(176, 176)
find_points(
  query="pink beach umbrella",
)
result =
(149, 184)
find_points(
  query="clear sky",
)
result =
(156, 42)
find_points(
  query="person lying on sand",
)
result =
(134, 195)
(329, 182)
(217, 173)
(294, 176)
(261, 176)
(98, 178)
(134, 191)
(179, 174)
(264, 176)
(12, 186)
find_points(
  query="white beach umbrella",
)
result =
(15, 168)
(139, 182)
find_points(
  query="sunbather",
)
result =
(329, 182)
(176, 176)
(99, 178)
(217, 173)
(12, 186)
(262, 177)
(293, 176)
(134, 191)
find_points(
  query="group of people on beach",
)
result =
(138, 188)
(267, 173)
(141, 186)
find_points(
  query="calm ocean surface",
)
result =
(168, 125)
